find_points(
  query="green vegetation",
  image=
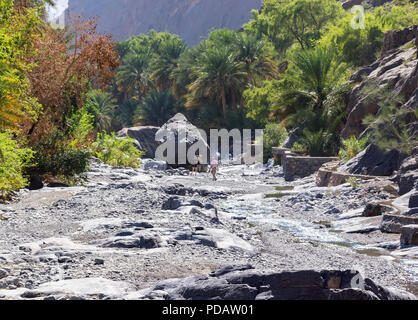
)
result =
(274, 136)
(353, 182)
(362, 46)
(13, 161)
(393, 126)
(351, 147)
(117, 151)
(287, 68)
(157, 107)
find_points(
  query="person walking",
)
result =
(214, 165)
(195, 165)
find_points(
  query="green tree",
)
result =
(17, 32)
(133, 76)
(219, 76)
(257, 56)
(314, 77)
(13, 161)
(101, 105)
(157, 107)
(288, 21)
(165, 63)
(362, 46)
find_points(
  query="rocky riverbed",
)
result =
(147, 234)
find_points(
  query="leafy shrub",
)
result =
(353, 182)
(362, 46)
(394, 125)
(319, 143)
(13, 161)
(298, 147)
(56, 156)
(117, 151)
(81, 130)
(352, 147)
(274, 136)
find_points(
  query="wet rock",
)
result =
(393, 223)
(409, 234)
(172, 203)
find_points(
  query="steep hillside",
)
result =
(191, 19)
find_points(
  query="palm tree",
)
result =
(133, 75)
(257, 57)
(101, 105)
(314, 77)
(218, 76)
(157, 107)
(167, 61)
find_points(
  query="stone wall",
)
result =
(301, 167)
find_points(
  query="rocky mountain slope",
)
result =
(191, 19)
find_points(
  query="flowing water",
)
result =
(258, 210)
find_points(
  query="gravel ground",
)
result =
(114, 228)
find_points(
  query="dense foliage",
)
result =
(13, 160)
(117, 151)
(60, 89)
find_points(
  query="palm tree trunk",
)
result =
(224, 104)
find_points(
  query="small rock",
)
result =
(372, 210)
(57, 185)
(99, 261)
(172, 203)
(3, 273)
(65, 260)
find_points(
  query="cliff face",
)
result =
(191, 19)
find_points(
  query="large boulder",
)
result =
(409, 235)
(244, 283)
(393, 223)
(179, 130)
(292, 138)
(396, 38)
(407, 177)
(145, 139)
(375, 162)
